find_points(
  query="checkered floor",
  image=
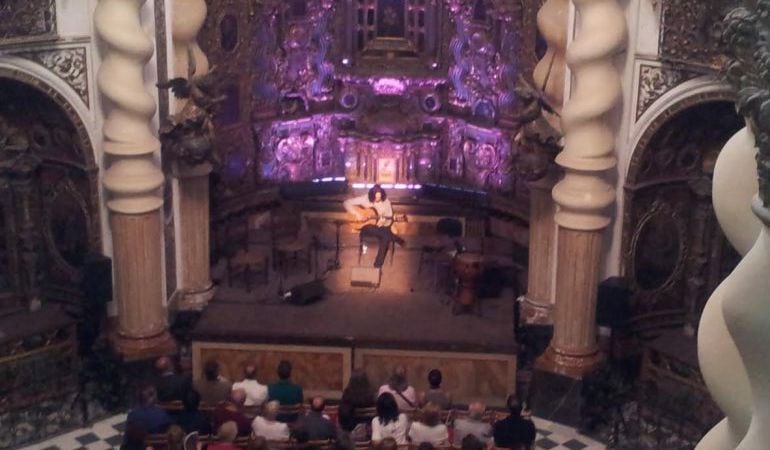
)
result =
(107, 434)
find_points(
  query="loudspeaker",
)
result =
(612, 308)
(365, 277)
(96, 284)
(306, 293)
(430, 102)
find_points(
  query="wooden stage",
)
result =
(404, 322)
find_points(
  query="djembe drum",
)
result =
(467, 268)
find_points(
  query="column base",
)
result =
(533, 312)
(573, 366)
(132, 349)
(193, 300)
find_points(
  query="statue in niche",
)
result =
(187, 136)
(294, 157)
(390, 19)
(537, 139)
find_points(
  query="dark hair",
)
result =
(434, 378)
(134, 436)
(426, 446)
(358, 392)
(317, 404)
(471, 442)
(284, 370)
(191, 400)
(346, 416)
(148, 395)
(514, 405)
(388, 443)
(250, 372)
(387, 408)
(211, 370)
(374, 190)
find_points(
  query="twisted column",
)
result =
(133, 181)
(548, 75)
(192, 187)
(583, 194)
(730, 389)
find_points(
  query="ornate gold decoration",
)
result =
(69, 64)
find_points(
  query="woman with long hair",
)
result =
(389, 422)
(359, 392)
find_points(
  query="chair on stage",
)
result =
(245, 264)
(438, 252)
(291, 241)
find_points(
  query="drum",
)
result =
(467, 268)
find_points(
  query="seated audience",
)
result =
(170, 385)
(284, 391)
(256, 443)
(359, 392)
(148, 414)
(514, 430)
(429, 428)
(471, 442)
(473, 424)
(190, 418)
(231, 410)
(212, 388)
(399, 387)
(267, 424)
(315, 424)
(389, 423)
(387, 443)
(256, 392)
(226, 434)
(350, 428)
(175, 438)
(134, 436)
(434, 394)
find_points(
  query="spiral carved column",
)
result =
(549, 75)
(192, 184)
(133, 181)
(583, 195)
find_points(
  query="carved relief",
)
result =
(690, 31)
(27, 20)
(654, 81)
(69, 64)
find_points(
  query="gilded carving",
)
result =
(69, 64)
(654, 81)
(27, 20)
(690, 31)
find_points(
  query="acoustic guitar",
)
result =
(371, 217)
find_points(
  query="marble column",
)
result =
(132, 181)
(192, 181)
(549, 75)
(584, 195)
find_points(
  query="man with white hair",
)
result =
(256, 392)
(473, 424)
(267, 426)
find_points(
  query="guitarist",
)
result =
(376, 199)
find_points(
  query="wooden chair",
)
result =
(290, 413)
(291, 241)
(172, 406)
(156, 441)
(246, 264)
(363, 445)
(364, 414)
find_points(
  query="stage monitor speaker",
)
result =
(96, 284)
(306, 293)
(365, 277)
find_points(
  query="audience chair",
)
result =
(365, 414)
(290, 413)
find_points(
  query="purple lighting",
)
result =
(389, 86)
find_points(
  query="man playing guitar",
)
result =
(377, 200)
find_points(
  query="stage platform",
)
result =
(404, 322)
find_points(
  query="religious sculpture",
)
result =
(538, 140)
(187, 136)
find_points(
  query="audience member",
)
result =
(359, 392)
(350, 427)
(471, 442)
(434, 394)
(399, 387)
(226, 434)
(387, 443)
(256, 393)
(473, 424)
(147, 413)
(429, 428)
(212, 388)
(315, 424)
(267, 424)
(389, 422)
(231, 410)
(284, 391)
(514, 430)
(134, 436)
(175, 437)
(190, 418)
(170, 385)
(256, 443)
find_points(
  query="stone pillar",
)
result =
(549, 75)
(583, 195)
(192, 186)
(133, 181)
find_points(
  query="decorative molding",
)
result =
(27, 20)
(69, 63)
(654, 81)
(690, 31)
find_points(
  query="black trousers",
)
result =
(384, 237)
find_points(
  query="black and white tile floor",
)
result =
(107, 434)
